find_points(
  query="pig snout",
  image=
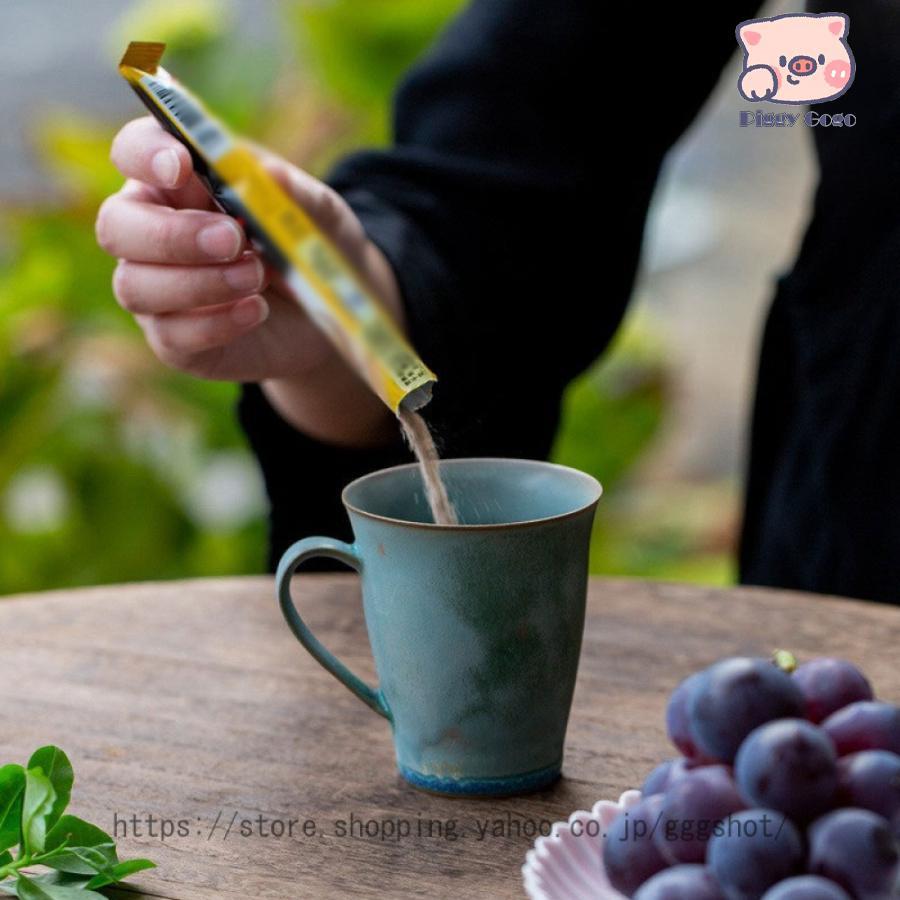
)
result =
(837, 72)
(802, 65)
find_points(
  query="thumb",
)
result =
(325, 206)
(333, 215)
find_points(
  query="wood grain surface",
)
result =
(192, 703)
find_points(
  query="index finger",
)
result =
(145, 151)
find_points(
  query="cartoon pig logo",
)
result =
(796, 58)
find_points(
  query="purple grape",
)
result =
(865, 725)
(681, 883)
(829, 684)
(629, 854)
(870, 780)
(752, 850)
(691, 808)
(658, 779)
(855, 848)
(677, 721)
(789, 765)
(806, 887)
(734, 697)
(666, 774)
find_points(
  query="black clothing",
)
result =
(823, 493)
(511, 207)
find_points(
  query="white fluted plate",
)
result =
(567, 864)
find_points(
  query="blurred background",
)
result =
(114, 469)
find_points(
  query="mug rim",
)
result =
(463, 460)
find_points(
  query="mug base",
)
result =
(505, 786)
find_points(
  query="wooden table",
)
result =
(192, 703)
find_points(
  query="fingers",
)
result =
(132, 228)
(334, 216)
(176, 337)
(150, 288)
(325, 206)
(144, 151)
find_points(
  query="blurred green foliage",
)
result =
(113, 468)
(613, 416)
(654, 527)
(361, 50)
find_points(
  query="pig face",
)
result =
(796, 58)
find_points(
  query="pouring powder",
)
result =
(421, 443)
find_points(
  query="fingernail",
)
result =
(221, 241)
(166, 167)
(251, 311)
(245, 276)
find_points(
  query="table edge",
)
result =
(266, 579)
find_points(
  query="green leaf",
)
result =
(60, 879)
(32, 889)
(36, 807)
(80, 860)
(5, 858)
(56, 766)
(88, 849)
(12, 790)
(120, 871)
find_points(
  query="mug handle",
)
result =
(293, 557)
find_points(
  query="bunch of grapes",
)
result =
(788, 788)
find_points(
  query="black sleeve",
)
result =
(511, 206)
(823, 480)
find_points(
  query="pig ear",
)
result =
(749, 34)
(838, 24)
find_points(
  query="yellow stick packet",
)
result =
(323, 281)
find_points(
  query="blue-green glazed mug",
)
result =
(475, 628)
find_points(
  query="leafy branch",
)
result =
(81, 857)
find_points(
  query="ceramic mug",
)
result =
(475, 628)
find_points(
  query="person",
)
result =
(502, 229)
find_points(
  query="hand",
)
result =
(758, 83)
(206, 304)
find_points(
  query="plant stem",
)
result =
(785, 660)
(11, 867)
(28, 860)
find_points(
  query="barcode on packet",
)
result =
(208, 135)
(406, 365)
